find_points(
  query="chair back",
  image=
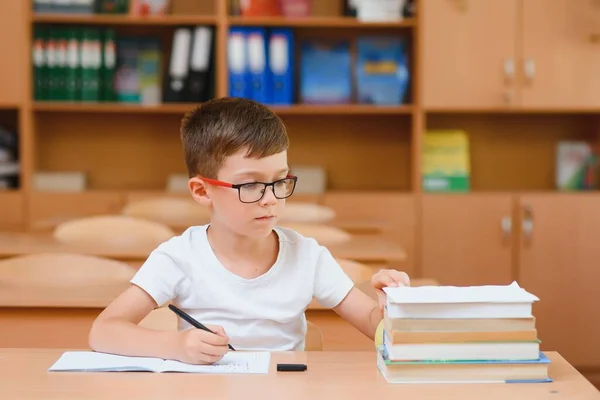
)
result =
(161, 319)
(314, 337)
(62, 280)
(324, 234)
(175, 212)
(307, 213)
(116, 231)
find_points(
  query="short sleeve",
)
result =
(161, 276)
(332, 284)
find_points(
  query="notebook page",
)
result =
(90, 361)
(234, 362)
(512, 293)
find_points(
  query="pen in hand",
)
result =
(192, 321)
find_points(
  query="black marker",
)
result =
(291, 367)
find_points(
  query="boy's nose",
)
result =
(269, 196)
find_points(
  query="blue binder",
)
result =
(237, 63)
(256, 46)
(281, 65)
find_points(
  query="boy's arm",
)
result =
(362, 311)
(116, 329)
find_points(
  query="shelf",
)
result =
(180, 108)
(99, 19)
(175, 108)
(513, 110)
(324, 22)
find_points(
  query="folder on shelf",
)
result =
(237, 63)
(198, 84)
(281, 65)
(256, 45)
(175, 90)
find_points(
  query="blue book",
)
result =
(464, 371)
(325, 73)
(382, 74)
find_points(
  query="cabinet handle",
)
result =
(527, 223)
(509, 70)
(506, 225)
(529, 69)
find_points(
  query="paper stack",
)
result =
(443, 334)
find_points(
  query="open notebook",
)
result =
(235, 362)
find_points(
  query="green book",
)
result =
(61, 63)
(73, 66)
(40, 68)
(109, 63)
(51, 63)
(90, 65)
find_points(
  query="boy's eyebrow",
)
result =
(258, 173)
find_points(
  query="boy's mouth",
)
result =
(266, 218)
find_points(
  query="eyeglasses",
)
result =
(252, 192)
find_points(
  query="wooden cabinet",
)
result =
(466, 47)
(559, 261)
(532, 54)
(560, 53)
(466, 239)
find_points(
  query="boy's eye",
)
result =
(250, 186)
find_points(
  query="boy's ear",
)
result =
(198, 189)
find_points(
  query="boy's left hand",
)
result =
(388, 278)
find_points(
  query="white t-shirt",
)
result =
(264, 313)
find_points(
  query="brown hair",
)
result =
(222, 127)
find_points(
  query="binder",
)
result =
(198, 82)
(40, 79)
(256, 45)
(175, 90)
(237, 63)
(281, 66)
(109, 65)
(72, 66)
(61, 63)
(90, 65)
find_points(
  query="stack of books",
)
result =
(449, 334)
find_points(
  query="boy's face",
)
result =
(248, 219)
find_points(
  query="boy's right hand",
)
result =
(197, 346)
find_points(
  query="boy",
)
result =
(244, 278)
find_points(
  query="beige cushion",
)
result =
(307, 212)
(62, 280)
(171, 211)
(112, 230)
(325, 235)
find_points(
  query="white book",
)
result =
(234, 362)
(489, 301)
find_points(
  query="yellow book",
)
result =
(445, 161)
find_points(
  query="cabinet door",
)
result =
(466, 239)
(560, 263)
(561, 53)
(466, 46)
(14, 46)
